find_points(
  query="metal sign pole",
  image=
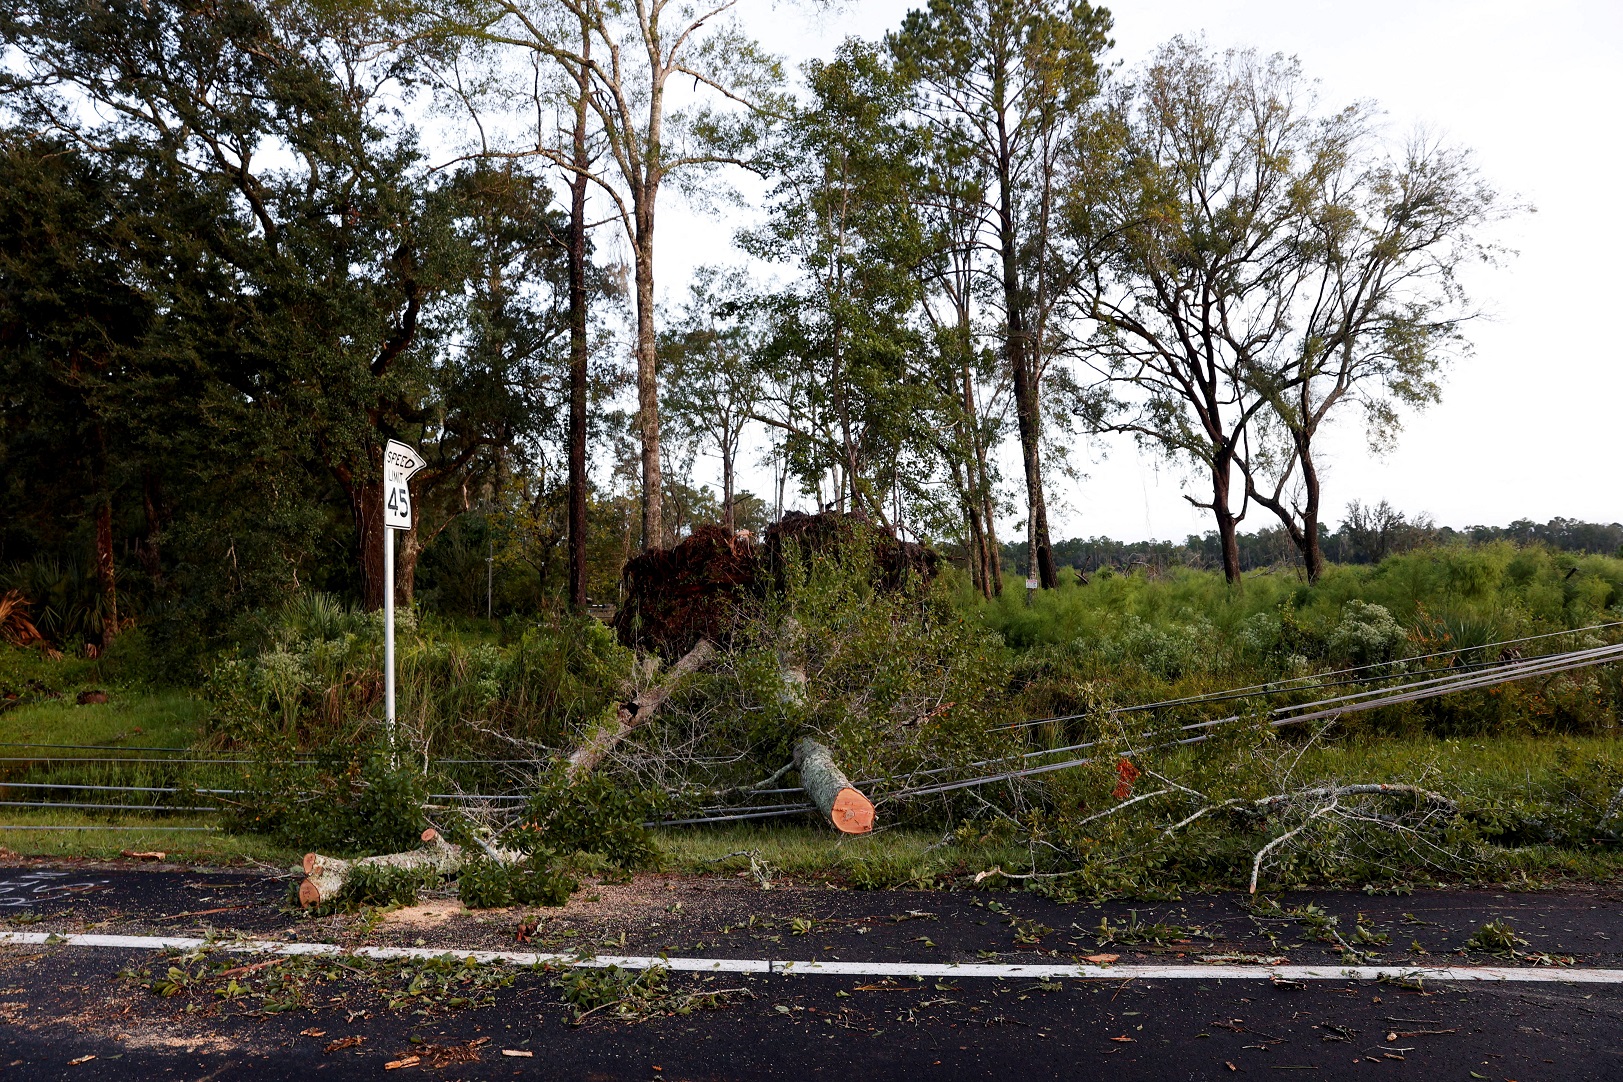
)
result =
(399, 463)
(388, 636)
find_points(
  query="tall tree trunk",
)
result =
(1027, 407)
(980, 549)
(1303, 533)
(994, 551)
(151, 504)
(104, 569)
(1027, 413)
(1227, 523)
(577, 343)
(408, 550)
(781, 470)
(989, 579)
(1312, 551)
(366, 503)
(727, 518)
(653, 534)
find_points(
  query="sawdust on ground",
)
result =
(657, 905)
(429, 914)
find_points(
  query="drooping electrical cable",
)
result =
(1199, 732)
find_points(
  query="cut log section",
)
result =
(831, 790)
(597, 745)
(325, 877)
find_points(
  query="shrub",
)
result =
(357, 806)
(1366, 634)
(487, 884)
(310, 676)
(591, 815)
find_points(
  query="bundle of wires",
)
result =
(1400, 682)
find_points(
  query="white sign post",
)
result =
(399, 463)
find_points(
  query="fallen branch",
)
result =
(326, 877)
(1113, 809)
(1378, 789)
(639, 711)
(828, 787)
(1180, 824)
(1256, 864)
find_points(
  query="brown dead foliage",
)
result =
(15, 626)
(674, 597)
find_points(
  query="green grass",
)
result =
(130, 718)
(1481, 765)
(193, 847)
(136, 715)
(1507, 589)
(887, 857)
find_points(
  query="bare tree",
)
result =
(1250, 263)
(631, 52)
(1185, 214)
(1377, 309)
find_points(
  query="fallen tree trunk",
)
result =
(831, 790)
(326, 877)
(602, 740)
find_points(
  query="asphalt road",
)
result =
(59, 1005)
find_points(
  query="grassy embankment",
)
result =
(136, 715)
(1121, 639)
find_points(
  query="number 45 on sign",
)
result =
(399, 463)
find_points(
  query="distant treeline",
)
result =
(1368, 535)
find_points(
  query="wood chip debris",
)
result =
(240, 970)
(448, 1055)
(518, 1053)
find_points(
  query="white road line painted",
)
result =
(813, 968)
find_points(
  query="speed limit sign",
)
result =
(399, 463)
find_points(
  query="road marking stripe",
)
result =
(1555, 975)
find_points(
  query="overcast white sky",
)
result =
(1528, 425)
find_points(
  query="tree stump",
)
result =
(831, 790)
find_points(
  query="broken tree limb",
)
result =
(325, 877)
(830, 790)
(629, 715)
(1374, 789)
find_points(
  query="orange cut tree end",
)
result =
(309, 893)
(852, 812)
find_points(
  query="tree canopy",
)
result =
(241, 249)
